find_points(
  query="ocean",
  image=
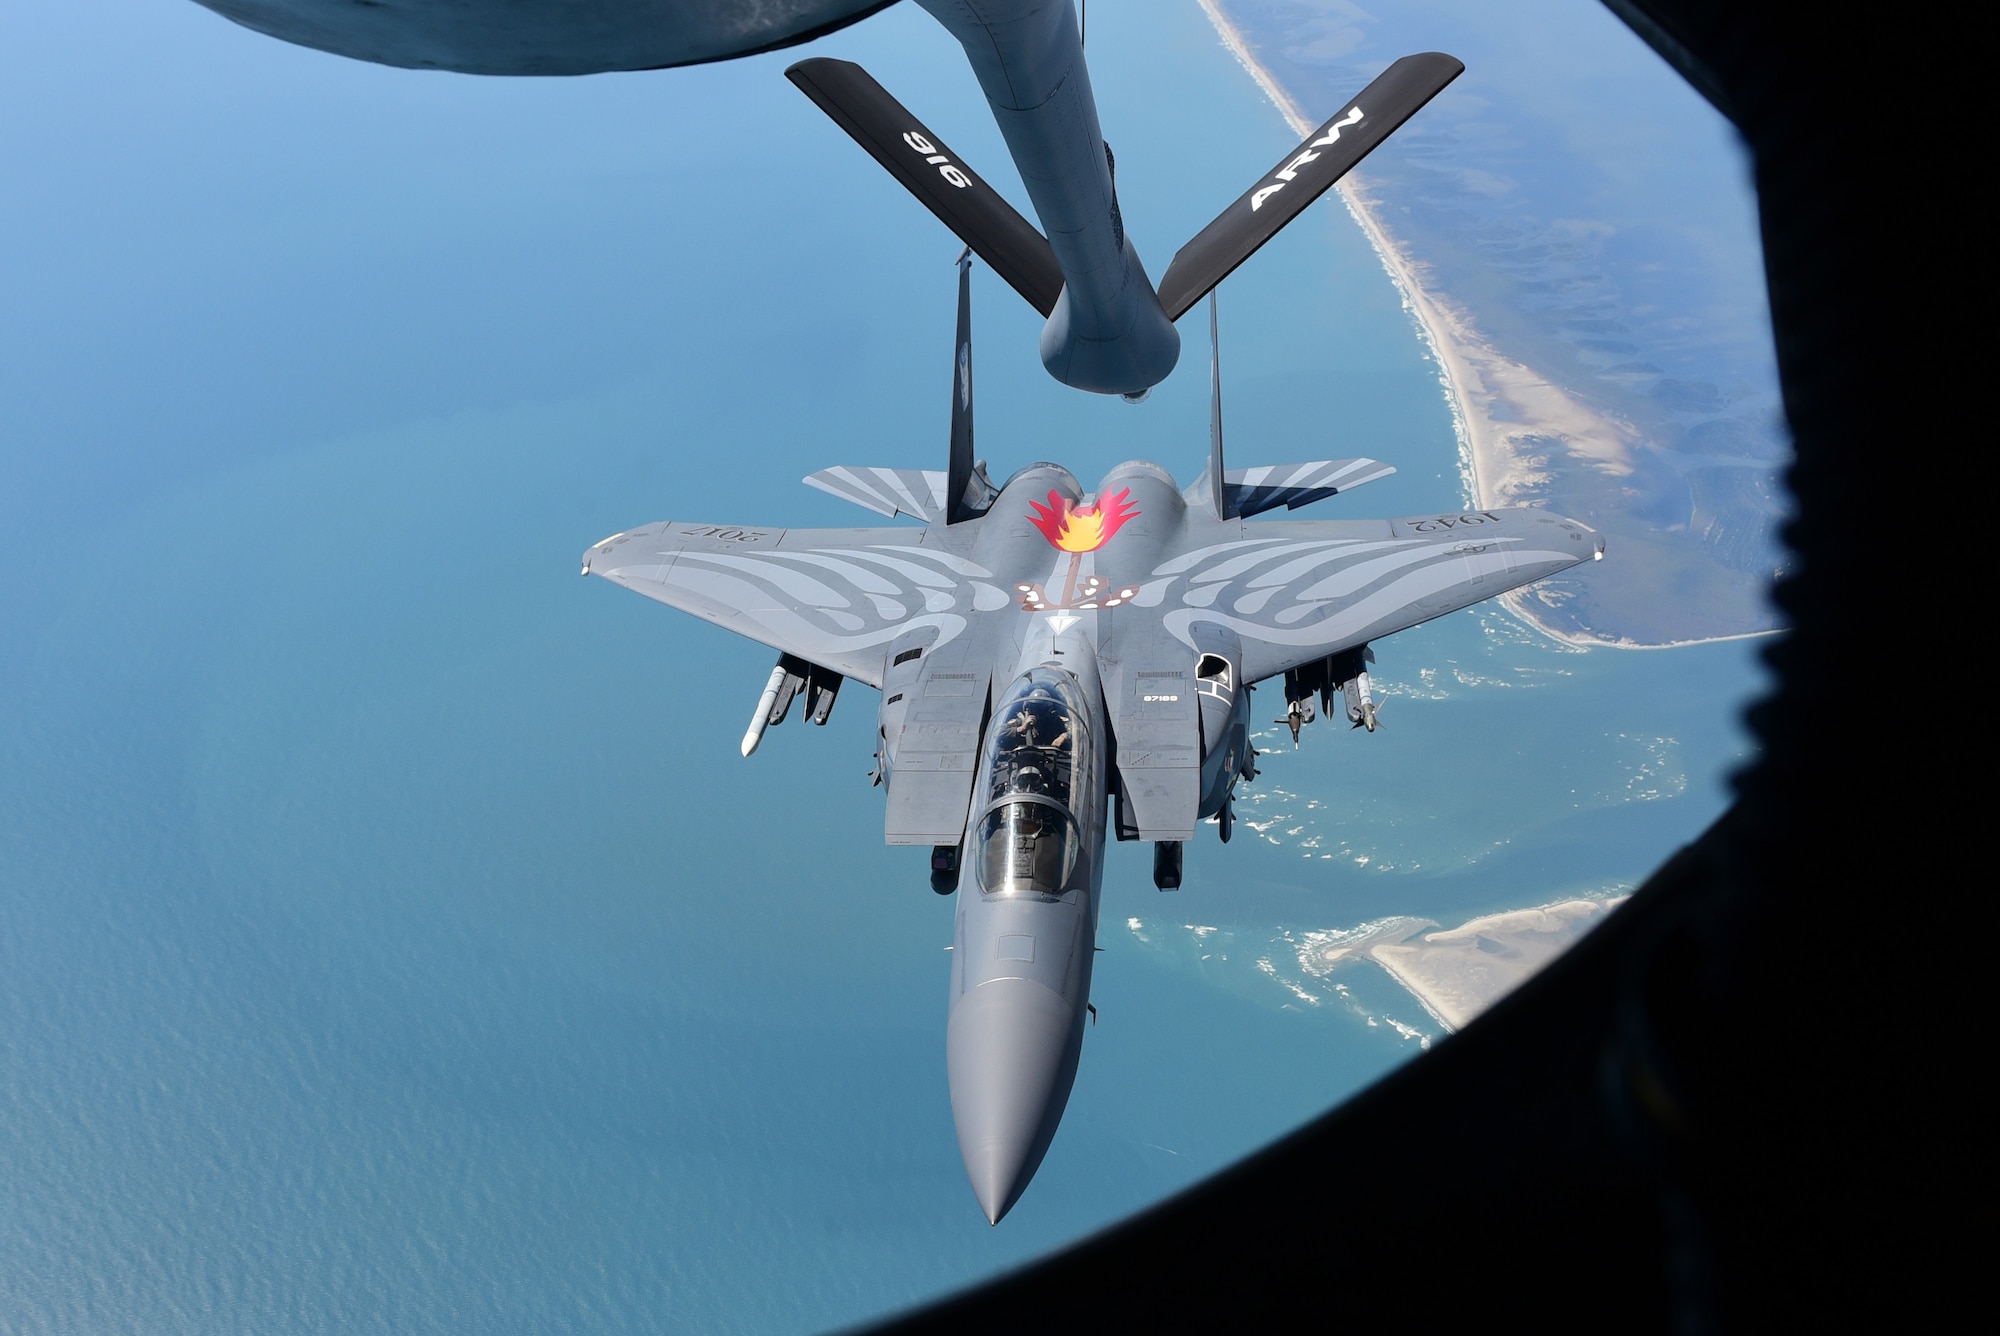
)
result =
(391, 937)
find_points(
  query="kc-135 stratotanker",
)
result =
(1058, 666)
(1108, 329)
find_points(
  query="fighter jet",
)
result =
(1059, 666)
(1108, 329)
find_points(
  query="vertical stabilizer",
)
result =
(958, 476)
(1218, 491)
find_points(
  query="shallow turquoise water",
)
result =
(391, 938)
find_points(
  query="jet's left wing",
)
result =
(1296, 591)
(832, 597)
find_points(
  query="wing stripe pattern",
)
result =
(1254, 491)
(797, 585)
(923, 575)
(1270, 584)
(1189, 560)
(949, 560)
(917, 493)
(1294, 601)
(1362, 574)
(1235, 566)
(1292, 570)
(861, 577)
(750, 599)
(829, 596)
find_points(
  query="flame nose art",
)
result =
(1081, 528)
(1011, 1053)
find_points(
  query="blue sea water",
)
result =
(391, 939)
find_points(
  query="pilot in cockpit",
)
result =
(1039, 721)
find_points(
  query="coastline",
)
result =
(1456, 973)
(1506, 416)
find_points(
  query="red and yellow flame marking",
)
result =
(1082, 528)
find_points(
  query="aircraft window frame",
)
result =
(1037, 761)
(1046, 871)
(1039, 743)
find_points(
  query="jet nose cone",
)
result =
(1011, 1050)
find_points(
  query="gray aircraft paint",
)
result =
(538, 37)
(1161, 625)
(1108, 332)
(1171, 603)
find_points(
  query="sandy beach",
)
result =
(1512, 423)
(1456, 973)
(1460, 972)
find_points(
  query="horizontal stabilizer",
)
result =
(1304, 175)
(918, 493)
(1254, 491)
(963, 202)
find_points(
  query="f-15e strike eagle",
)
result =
(1056, 665)
(1108, 329)
(1061, 665)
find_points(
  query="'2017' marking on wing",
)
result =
(724, 534)
(946, 168)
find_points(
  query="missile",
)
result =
(755, 733)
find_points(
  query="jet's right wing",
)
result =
(833, 597)
(1297, 591)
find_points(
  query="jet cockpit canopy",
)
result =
(1037, 761)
